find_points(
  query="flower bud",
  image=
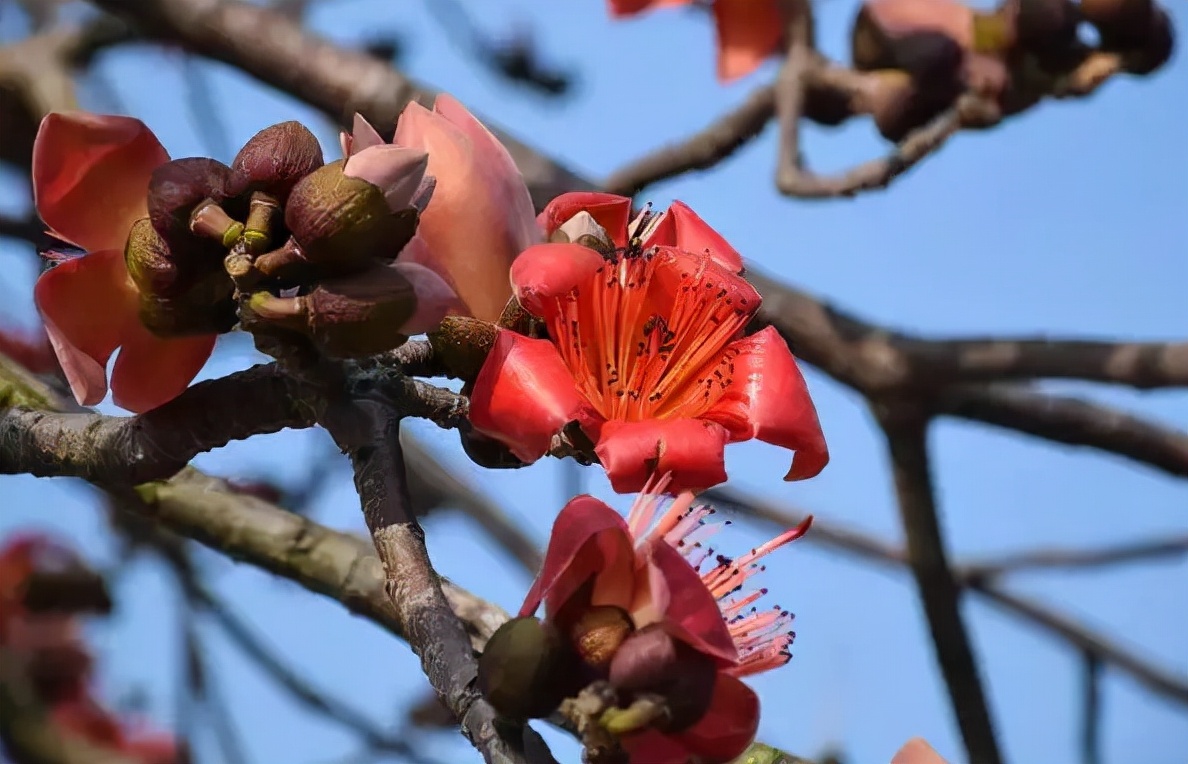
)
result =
(1146, 50)
(274, 159)
(207, 307)
(349, 317)
(73, 590)
(341, 223)
(461, 344)
(526, 669)
(150, 262)
(913, 37)
(897, 104)
(583, 229)
(1045, 28)
(598, 633)
(1117, 17)
(179, 188)
(652, 661)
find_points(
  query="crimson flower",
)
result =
(748, 31)
(656, 568)
(646, 351)
(90, 183)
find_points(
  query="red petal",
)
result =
(158, 749)
(721, 736)
(588, 538)
(691, 449)
(749, 31)
(545, 272)
(632, 7)
(690, 611)
(524, 394)
(917, 751)
(87, 304)
(152, 370)
(769, 400)
(91, 175)
(611, 211)
(682, 228)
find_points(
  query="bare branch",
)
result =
(1067, 559)
(1091, 711)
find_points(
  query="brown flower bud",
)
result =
(527, 669)
(1118, 18)
(652, 661)
(598, 632)
(342, 223)
(348, 317)
(1045, 28)
(1151, 48)
(487, 452)
(179, 188)
(926, 40)
(274, 159)
(75, 589)
(207, 307)
(150, 262)
(897, 103)
(461, 344)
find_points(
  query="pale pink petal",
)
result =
(524, 395)
(692, 450)
(435, 298)
(91, 175)
(690, 612)
(768, 399)
(361, 136)
(683, 229)
(152, 370)
(87, 304)
(748, 32)
(611, 211)
(546, 272)
(395, 170)
(589, 539)
(917, 751)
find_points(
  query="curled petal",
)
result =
(546, 272)
(435, 298)
(151, 370)
(917, 751)
(88, 304)
(395, 170)
(691, 449)
(676, 273)
(91, 175)
(611, 211)
(524, 394)
(768, 399)
(589, 538)
(748, 31)
(689, 611)
(683, 229)
(361, 136)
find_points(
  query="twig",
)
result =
(905, 429)
(205, 688)
(1046, 559)
(1091, 710)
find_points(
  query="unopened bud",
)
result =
(908, 36)
(150, 262)
(896, 103)
(461, 344)
(1046, 28)
(598, 633)
(342, 223)
(73, 590)
(207, 307)
(652, 661)
(179, 188)
(349, 317)
(583, 229)
(274, 159)
(526, 669)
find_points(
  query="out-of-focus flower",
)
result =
(748, 31)
(85, 719)
(645, 604)
(91, 177)
(917, 751)
(480, 215)
(646, 350)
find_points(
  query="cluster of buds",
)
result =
(299, 246)
(924, 54)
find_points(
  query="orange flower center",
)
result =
(642, 349)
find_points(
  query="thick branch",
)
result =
(906, 431)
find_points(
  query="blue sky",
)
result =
(1068, 220)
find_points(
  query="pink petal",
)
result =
(546, 272)
(901, 18)
(152, 370)
(682, 228)
(612, 212)
(30, 349)
(589, 538)
(690, 611)
(672, 270)
(362, 136)
(87, 304)
(91, 175)
(435, 298)
(768, 399)
(156, 749)
(748, 32)
(524, 395)
(480, 216)
(691, 449)
(395, 170)
(917, 751)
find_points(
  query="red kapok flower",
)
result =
(480, 216)
(656, 568)
(748, 31)
(646, 351)
(90, 184)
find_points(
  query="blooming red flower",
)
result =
(656, 567)
(480, 216)
(748, 31)
(646, 352)
(90, 184)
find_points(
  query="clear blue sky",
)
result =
(1069, 220)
